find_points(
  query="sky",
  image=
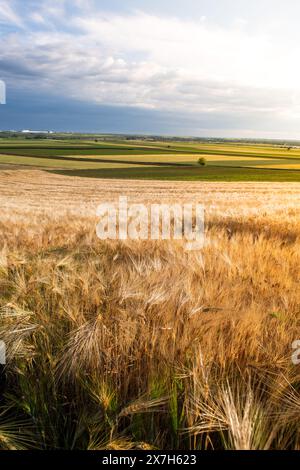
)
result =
(221, 68)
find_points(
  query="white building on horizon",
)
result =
(28, 131)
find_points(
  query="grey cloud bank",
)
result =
(53, 112)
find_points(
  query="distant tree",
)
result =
(202, 161)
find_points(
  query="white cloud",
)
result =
(8, 14)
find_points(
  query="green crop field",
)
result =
(208, 173)
(142, 159)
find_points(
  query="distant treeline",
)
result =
(146, 138)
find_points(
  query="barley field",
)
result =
(143, 345)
